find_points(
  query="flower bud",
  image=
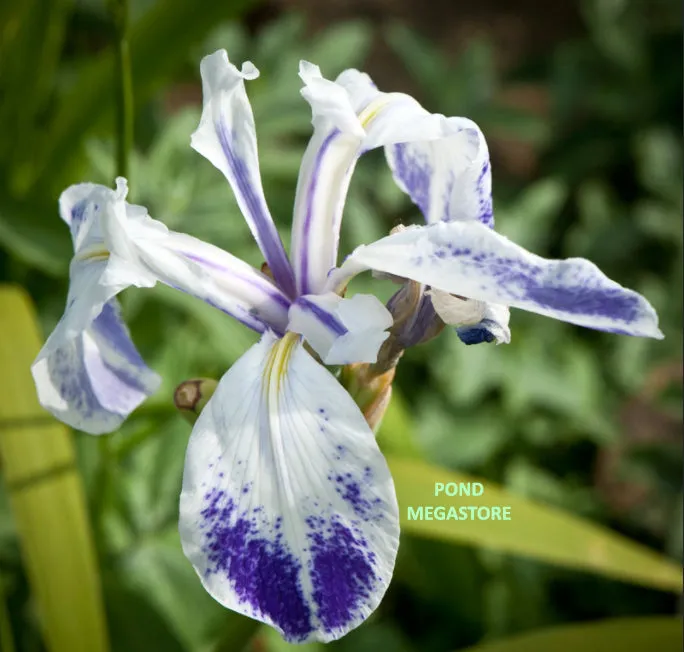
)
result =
(191, 396)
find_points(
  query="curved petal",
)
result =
(288, 511)
(78, 375)
(341, 331)
(77, 207)
(227, 137)
(93, 380)
(350, 116)
(448, 178)
(234, 286)
(476, 321)
(472, 261)
(139, 251)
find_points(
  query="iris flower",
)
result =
(288, 511)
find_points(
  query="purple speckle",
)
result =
(352, 492)
(263, 572)
(581, 300)
(341, 573)
(484, 193)
(414, 172)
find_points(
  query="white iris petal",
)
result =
(288, 511)
(341, 331)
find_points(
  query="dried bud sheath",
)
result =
(191, 396)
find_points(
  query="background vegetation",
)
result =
(579, 430)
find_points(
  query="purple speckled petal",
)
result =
(226, 136)
(288, 511)
(350, 117)
(341, 331)
(93, 380)
(470, 260)
(448, 178)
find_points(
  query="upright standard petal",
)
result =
(350, 117)
(341, 331)
(452, 181)
(288, 511)
(227, 137)
(93, 380)
(448, 178)
(470, 260)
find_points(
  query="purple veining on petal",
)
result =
(272, 293)
(567, 292)
(77, 214)
(486, 212)
(262, 570)
(104, 380)
(414, 172)
(249, 318)
(342, 572)
(246, 317)
(68, 374)
(580, 300)
(267, 235)
(109, 325)
(304, 285)
(327, 319)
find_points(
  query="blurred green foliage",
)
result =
(579, 420)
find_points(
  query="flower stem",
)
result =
(124, 89)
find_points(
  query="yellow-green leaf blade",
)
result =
(534, 530)
(46, 494)
(647, 634)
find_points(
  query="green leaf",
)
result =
(661, 633)
(46, 494)
(159, 569)
(271, 641)
(351, 39)
(34, 240)
(135, 623)
(534, 530)
(173, 21)
(421, 58)
(458, 439)
(527, 221)
(395, 434)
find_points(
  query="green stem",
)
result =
(124, 89)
